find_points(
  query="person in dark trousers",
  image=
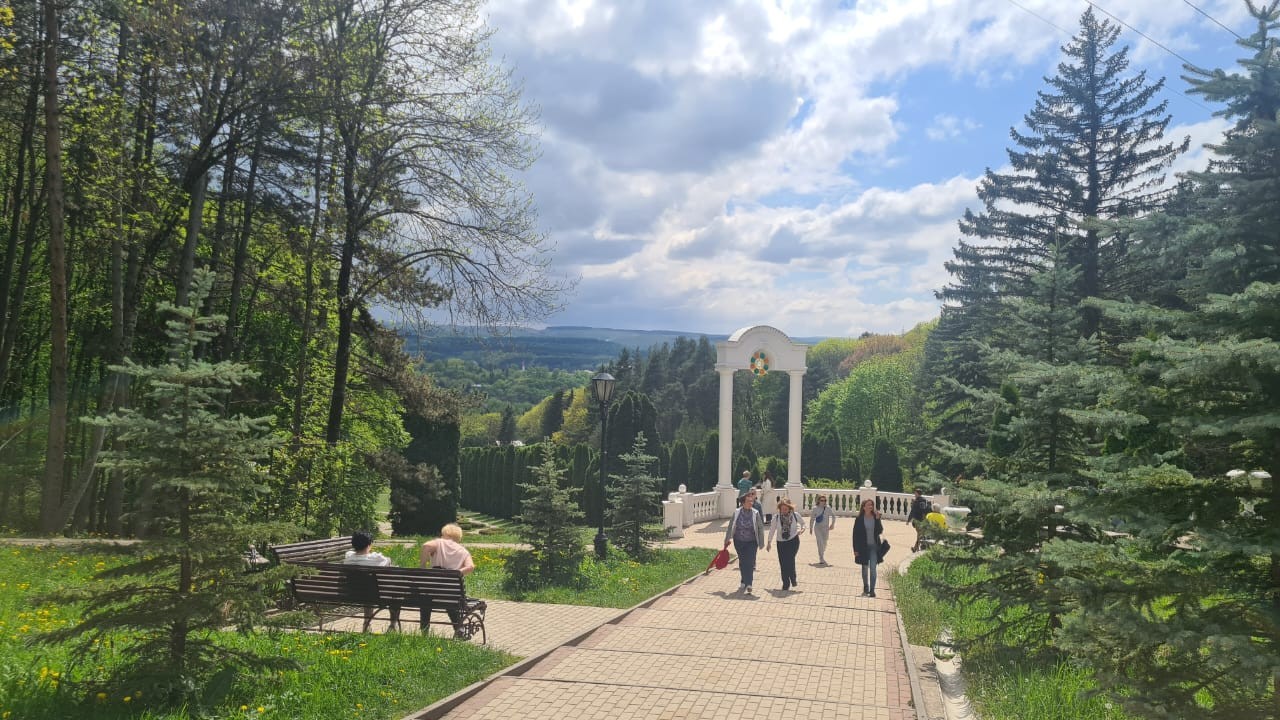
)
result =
(919, 508)
(867, 536)
(746, 532)
(787, 525)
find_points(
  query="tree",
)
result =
(1092, 152)
(188, 581)
(1043, 427)
(507, 430)
(886, 471)
(635, 508)
(548, 525)
(1179, 615)
(430, 139)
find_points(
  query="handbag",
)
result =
(882, 551)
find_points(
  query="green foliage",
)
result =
(425, 498)
(822, 452)
(187, 580)
(873, 401)
(548, 517)
(886, 469)
(335, 674)
(1002, 688)
(635, 507)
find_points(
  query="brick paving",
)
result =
(706, 651)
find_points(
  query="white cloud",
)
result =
(714, 164)
(948, 127)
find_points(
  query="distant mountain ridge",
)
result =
(560, 347)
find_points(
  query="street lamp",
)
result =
(602, 388)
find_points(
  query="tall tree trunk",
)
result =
(241, 255)
(309, 290)
(51, 497)
(9, 313)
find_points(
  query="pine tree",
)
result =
(635, 509)
(1045, 424)
(548, 525)
(1181, 614)
(1092, 151)
(679, 472)
(886, 472)
(507, 430)
(187, 581)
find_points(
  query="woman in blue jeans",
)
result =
(746, 532)
(867, 532)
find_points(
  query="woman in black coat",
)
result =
(867, 536)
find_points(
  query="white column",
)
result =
(796, 400)
(726, 427)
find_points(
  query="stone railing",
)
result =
(682, 509)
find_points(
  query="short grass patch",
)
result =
(338, 675)
(617, 582)
(1001, 689)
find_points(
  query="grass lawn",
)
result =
(1000, 690)
(617, 582)
(340, 675)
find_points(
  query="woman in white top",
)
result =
(448, 552)
(823, 520)
(787, 525)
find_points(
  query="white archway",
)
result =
(760, 349)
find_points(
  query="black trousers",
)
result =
(787, 550)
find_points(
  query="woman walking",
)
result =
(823, 521)
(788, 525)
(867, 532)
(746, 532)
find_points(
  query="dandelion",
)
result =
(261, 709)
(102, 697)
(128, 698)
(244, 708)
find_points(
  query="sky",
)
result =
(708, 165)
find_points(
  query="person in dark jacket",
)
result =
(868, 533)
(919, 508)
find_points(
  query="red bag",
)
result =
(720, 561)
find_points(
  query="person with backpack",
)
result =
(919, 509)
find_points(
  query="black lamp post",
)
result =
(602, 388)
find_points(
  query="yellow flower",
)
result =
(243, 708)
(261, 709)
(128, 698)
(102, 697)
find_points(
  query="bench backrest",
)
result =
(312, 551)
(359, 584)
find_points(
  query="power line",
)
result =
(1214, 19)
(1150, 39)
(1046, 21)
(1033, 13)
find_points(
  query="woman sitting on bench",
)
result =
(448, 552)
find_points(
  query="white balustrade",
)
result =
(683, 508)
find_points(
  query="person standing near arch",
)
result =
(744, 486)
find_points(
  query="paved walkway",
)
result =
(705, 651)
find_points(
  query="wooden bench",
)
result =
(312, 551)
(427, 589)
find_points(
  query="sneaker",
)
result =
(748, 589)
(871, 594)
(742, 588)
